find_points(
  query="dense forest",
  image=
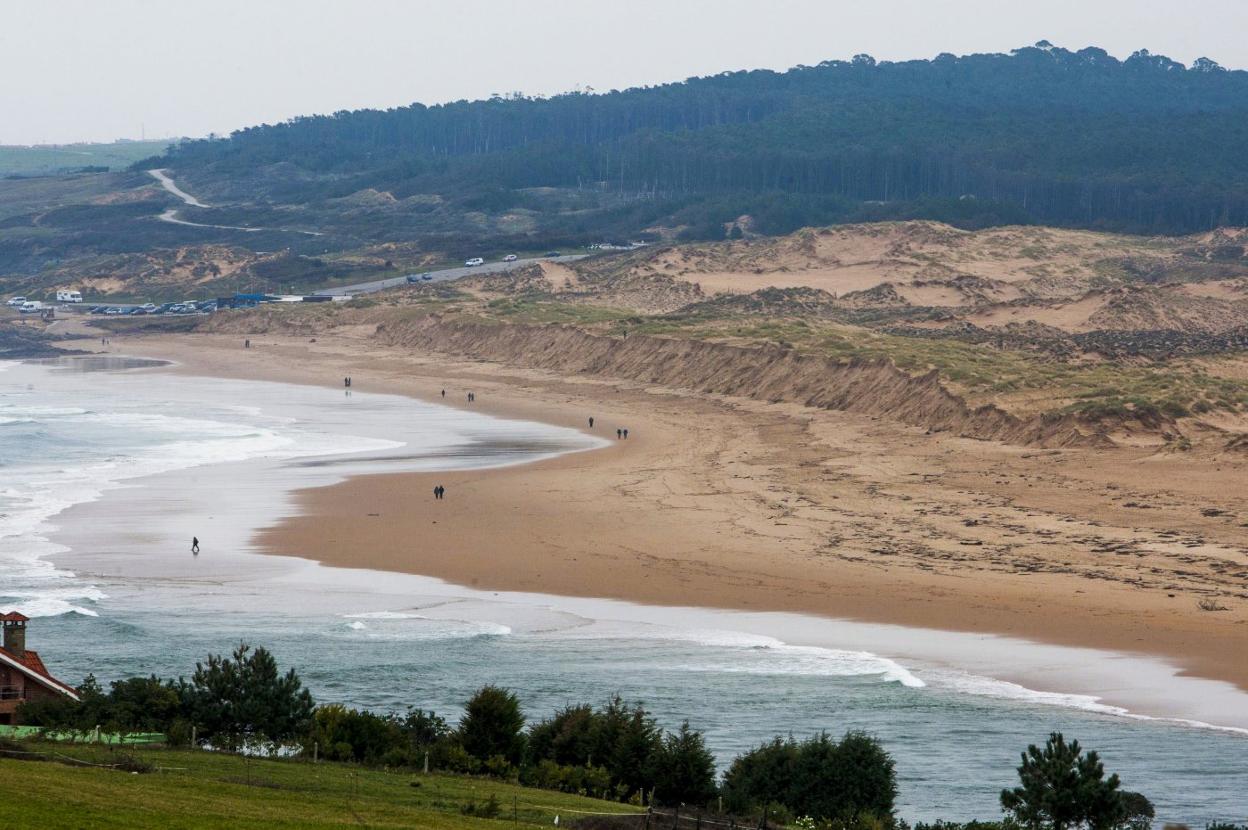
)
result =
(1042, 134)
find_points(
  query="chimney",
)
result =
(14, 634)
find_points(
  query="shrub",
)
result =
(492, 725)
(348, 735)
(1061, 787)
(242, 699)
(819, 777)
(683, 769)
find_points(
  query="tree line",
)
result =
(1062, 137)
(614, 751)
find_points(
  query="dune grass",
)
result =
(190, 789)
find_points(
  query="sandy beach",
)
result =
(729, 503)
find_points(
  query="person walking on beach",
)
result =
(247, 344)
(194, 546)
(444, 393)
(591, 421)
(626, 432)
(619, 433)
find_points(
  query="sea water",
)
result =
(107, 474)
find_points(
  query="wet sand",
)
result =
(736, 504)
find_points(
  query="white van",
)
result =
(31, 306)
(476, 260)
(68, 296)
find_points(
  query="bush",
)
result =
(242, 699)
(348, 735)
(683, 770)
(819, 777)
(1060, 786)
(492, 725)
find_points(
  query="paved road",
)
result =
(445, 275)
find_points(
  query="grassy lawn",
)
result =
(206, 789)
(47, 159)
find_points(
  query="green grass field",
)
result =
(46, 160)
(192, 789)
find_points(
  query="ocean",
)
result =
(110, 466)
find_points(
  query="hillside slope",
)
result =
(1042, 134)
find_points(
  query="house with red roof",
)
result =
(22, 674)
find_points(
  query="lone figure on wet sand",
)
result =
(194, 546)
(591, 421)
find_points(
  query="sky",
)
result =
(98, 70)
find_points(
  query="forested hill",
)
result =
(1039, 135)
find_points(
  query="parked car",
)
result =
(138, 309)
(112, 309)
(510, 258)
(16, 302)
(30, 307)
(553, 253)
(97, 309)
(426, 276)
(476, 260)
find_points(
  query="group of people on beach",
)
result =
(620, 434)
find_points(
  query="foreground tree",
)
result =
(825, 779)
(242, 699)
(493, 725)
(1062, 788)
(683, 769)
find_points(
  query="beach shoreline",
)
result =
(688, 511)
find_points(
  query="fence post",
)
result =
(316, 751)
(426, 763)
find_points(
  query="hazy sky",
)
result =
(75, 70)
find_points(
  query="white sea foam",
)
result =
(400, 625)
(77, 453)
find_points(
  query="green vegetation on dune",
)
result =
(1031, 381)
(194, 789)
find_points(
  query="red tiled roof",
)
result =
(31, 661)
(14, 616)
